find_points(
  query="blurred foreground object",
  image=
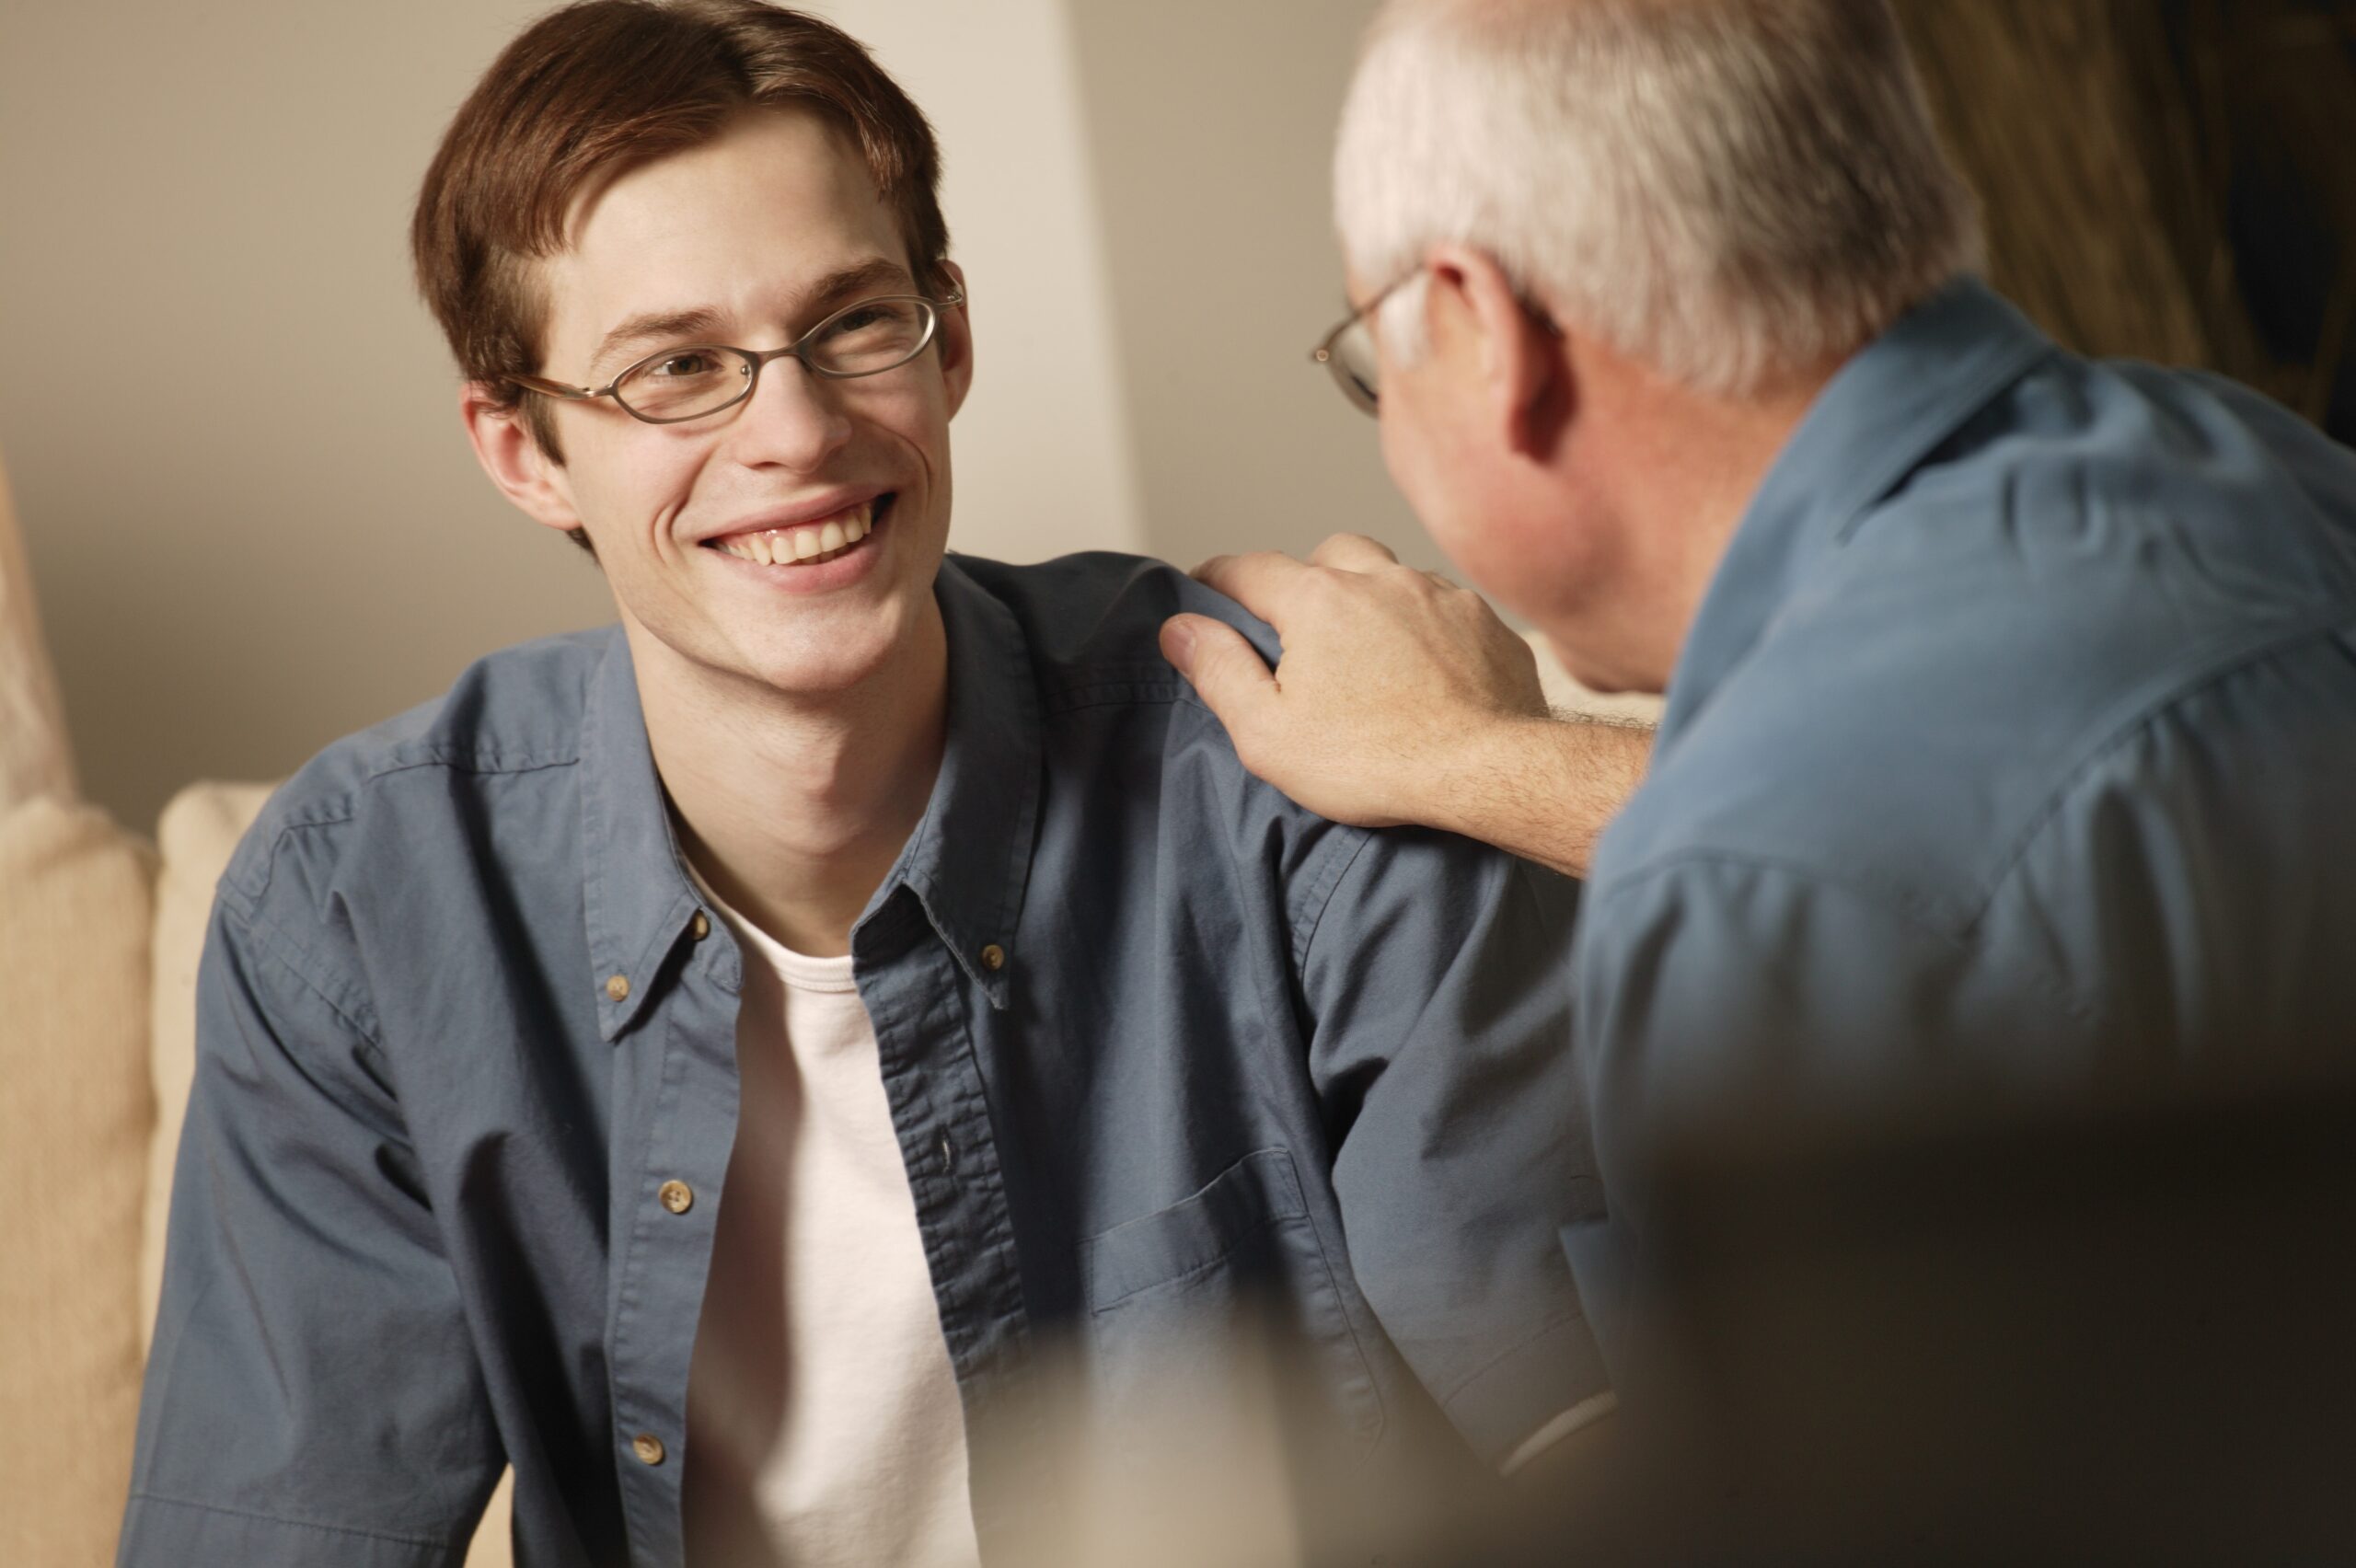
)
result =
(2110, 1335)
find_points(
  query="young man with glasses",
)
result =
(707, 1063)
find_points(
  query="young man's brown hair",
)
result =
(595, 88)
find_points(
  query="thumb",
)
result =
(1227, 672)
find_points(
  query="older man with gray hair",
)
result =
(2010, 735)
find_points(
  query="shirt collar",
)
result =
(1877, 419)
(966, 864)
(969, 860)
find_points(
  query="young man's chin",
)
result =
(831, 656)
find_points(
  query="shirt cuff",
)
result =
(1501, 1407)
(172, 1534)
(1586, 1412)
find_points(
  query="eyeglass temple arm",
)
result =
(559, 389)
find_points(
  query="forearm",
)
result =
(1544, 789)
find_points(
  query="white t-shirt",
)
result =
(824, 1425)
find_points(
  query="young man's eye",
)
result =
(693, 364)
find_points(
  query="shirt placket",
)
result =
(920, 1001)
(678, 1097)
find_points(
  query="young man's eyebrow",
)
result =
(844, 284)
(702, 320)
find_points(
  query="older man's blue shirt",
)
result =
(2012, 751)
(1154, 1040)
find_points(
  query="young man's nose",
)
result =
(795, 417)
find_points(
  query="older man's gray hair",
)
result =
(1729, 190)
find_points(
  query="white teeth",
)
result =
(784, 546)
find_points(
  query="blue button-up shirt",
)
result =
(2012, 749)
(1153, 1040)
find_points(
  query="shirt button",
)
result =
(700, 926)
(617, 987)
(993, 957)
(677, 1197)
(648, 1448)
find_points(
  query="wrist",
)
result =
(1544, 789)
(1482, 779)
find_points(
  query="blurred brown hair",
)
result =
(598, 87)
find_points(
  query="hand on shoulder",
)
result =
(1399, 697)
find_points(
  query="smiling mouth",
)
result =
(809, 543)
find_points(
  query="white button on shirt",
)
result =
(824, 1425)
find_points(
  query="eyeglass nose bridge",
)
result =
(757, 360)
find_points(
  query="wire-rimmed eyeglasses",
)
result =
(1348, 350)
(690, 380)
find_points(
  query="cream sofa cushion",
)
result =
(75, 1118)
(34, 756)
(199, 831)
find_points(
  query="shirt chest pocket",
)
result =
(1224, 1307)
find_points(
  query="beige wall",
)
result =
(280, 537)
(1211, 125)
(251, 516)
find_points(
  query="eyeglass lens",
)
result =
(1355, 370)
(869, 338)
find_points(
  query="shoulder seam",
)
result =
(1908, 910)
(1327, 867)
(2139, 721)
(271, 942)
(330, 811)
(1356, 839)
(1914, 911)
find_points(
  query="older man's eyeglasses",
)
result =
(1348, 351)
(694, 380)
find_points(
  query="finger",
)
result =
(1226, 670)
(1353, 552)
(1258, 581)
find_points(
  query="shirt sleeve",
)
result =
(313, 1394)
(1438, 982)
(1716, 986)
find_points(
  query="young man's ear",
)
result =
(956, 341)
(1526, 381)
(525, 474)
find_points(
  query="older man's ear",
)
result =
(1525, 364)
